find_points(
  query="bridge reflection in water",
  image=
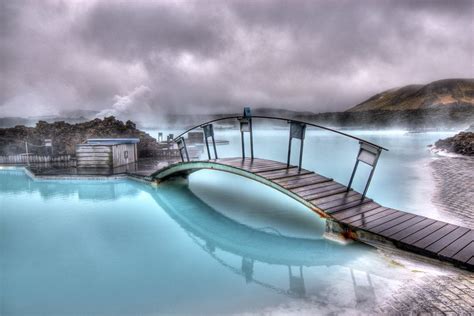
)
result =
(212, 231)
(291, 266)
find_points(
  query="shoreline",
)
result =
(452, 176)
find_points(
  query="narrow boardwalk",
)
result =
(329, 198)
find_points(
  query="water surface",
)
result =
(220, 245)
(123, 248)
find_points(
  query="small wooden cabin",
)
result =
(107, 152)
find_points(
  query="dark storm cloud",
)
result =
(204, 56)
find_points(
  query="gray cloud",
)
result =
(205, 56)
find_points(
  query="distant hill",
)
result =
(441, 93)
(73, 117)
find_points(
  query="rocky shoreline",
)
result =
(461, 143)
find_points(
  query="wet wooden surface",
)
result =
(408, 231)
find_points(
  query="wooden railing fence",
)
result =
(24, 159)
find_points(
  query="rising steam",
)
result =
(124, 106)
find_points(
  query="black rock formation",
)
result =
(66, 136)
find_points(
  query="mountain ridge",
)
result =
(440, 93)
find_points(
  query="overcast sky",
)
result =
(218, 56)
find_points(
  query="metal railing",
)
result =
(369, 152)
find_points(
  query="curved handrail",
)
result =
(279, 119)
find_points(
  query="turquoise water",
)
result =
(127, 248)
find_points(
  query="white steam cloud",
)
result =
(124, 106)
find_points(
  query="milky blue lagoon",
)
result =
(220, 245)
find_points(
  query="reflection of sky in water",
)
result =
(120, 247)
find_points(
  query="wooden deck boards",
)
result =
(393, 222)
(349, 217)
(447, 240)
(280, 174)
(422, 233)
(388, 216)
(435, 236)
(409, 231)
(355, 207)
(465, 254)
(456, 246)
(400, 226)
(322, 191)
(337, 196)
(301, 181)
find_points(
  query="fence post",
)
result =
(27, 154)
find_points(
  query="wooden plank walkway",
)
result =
(412, 232)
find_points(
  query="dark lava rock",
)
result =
(462, 143)
(65, 136)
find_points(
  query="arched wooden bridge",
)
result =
(353, 211)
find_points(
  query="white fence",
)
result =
(24, 159)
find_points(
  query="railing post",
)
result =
(371, 174)
(301, 154)
(27, 153)
(214, 145)
(209, 132)
(182, 147)
(369, 155)
(289, 152)
(297, 130)
(207, 147)
(246, 126)
(242, 141)
(352, 175)
(251, 132)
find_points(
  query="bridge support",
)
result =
(177, 179)
(297, 130)
(246, 127)
(337, 232)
